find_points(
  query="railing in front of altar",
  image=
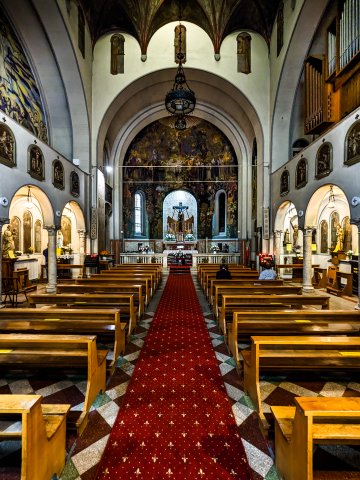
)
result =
(229, 258)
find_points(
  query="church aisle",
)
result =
(176, 420)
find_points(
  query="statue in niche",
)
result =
(243, 53)
(323, 161)
(58, 175)
(286, 237)
(301, 173)
(7, 146)
(117, 54)
(347, 234)
(8, 243)
(36, 163)
(74, 184)
(353, 145)
(339, 238)
(284, 183)
(295, 235)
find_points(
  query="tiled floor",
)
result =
(85, 452)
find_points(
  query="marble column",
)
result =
(52, 264)
(3, 221)
(82, 245)
(307, 266)
(277, 243)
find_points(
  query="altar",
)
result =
(179, 246)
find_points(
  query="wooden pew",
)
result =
(296, 353)
(233, 303)
(203, 269)
(117, 279)
(102, 287)
(240, 282)
(102, 323)
(220, 290)
(42, 434)
(130, 276)
(68, 352)
(87, 300)
(235, 273)
(319, 420)
(249, 276)
(290, 322)
(158, 268)
(153, 273)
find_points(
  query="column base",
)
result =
(308, 288)
(50, 288)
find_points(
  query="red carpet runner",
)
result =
(175, 421)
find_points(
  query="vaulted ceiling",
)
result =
(142, 18)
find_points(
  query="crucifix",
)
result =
(180, 213)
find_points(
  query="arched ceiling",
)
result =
(142, 18)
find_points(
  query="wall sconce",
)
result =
(288, 247)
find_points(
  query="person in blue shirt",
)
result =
(268, 273)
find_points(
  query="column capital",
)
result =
(278, 232)
(52, 229)
(308, 230)
(81, 231)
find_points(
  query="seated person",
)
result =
(223, 273)
(268, 273)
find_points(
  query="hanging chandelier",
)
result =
(180, 100)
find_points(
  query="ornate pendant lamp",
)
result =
(180, 100)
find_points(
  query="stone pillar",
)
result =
(52, 264)
(277, 244)
(307, 267)
(3, 221)
(82, 245)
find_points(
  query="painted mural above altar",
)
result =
(199, 160)
(19, 94)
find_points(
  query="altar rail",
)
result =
(229, 258)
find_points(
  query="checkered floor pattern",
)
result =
(85, 452)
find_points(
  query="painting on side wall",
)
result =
(352, 145)
(58, 175)
(19, 93)
(7, 146)
(301, 173)
(74, 184)
(36, 163)
(323, 161)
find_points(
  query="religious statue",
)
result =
(295, 235)
(286, 237)
(8, 243)
(339, 238)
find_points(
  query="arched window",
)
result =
(139, 214)
(15, 228)
(220, 213)
(117, 54)
(27, 230)
(37, 236)
(334, 222)
(347, 234)
(324, 233)
(244, 52)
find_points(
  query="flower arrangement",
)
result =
(350, 253)
(179, 254)
(103, 253)
(30, 250)
(66, 249)
(170, 237)
(189, 237)
(214, 248)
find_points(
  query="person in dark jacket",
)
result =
(223, 272)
